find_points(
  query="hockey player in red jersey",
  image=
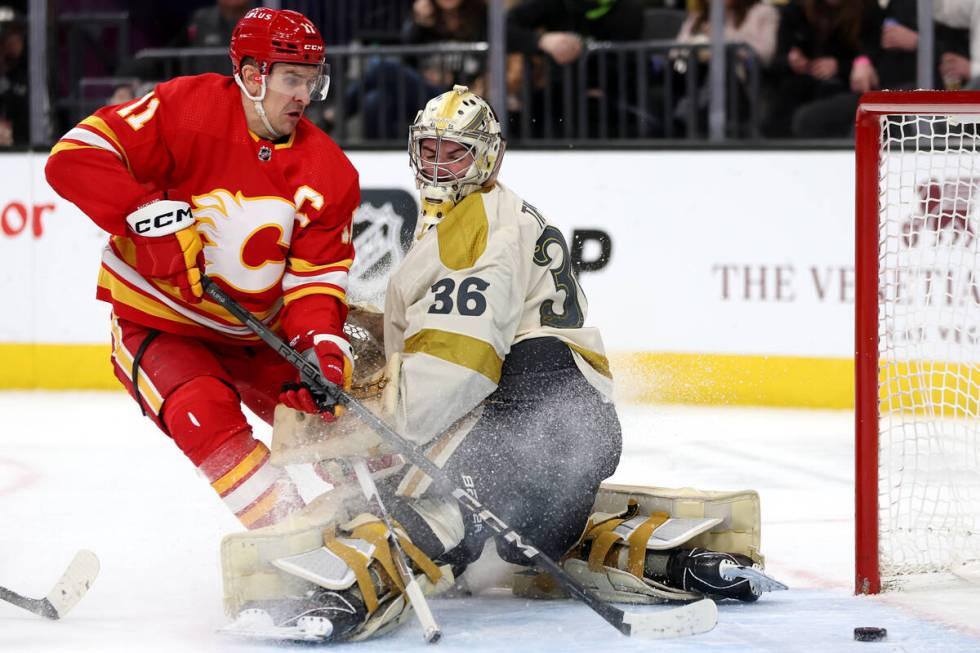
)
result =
(221, 175)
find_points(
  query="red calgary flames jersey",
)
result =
(275, 218)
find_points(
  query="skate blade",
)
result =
(258, 625)
(758, 580)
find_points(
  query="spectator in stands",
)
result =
(14, 101)
(826, 55)
(209, 27)
(128, 90)
(957, 69)
(746, 21)
(559, 29)
(391, 91)
(122, 93)
(440, 21)
(898, 61)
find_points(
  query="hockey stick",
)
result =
(430, 629)
(68, 591)
(698, 617)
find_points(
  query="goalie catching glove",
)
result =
(333, 356)
(168, 247)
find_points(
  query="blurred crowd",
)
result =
(812, 58)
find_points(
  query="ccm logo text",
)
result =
(163, 220)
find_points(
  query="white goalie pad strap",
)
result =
(444, 519)
(160, 218)
(672, 533)
(324, 567)
(609, 584)
(740, 528)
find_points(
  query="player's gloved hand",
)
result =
(333, 355)
(168, 246)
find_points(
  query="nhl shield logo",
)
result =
(382, 232)
(379, 251)
(265, 153)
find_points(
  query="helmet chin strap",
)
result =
(257, 102)
(436, 204)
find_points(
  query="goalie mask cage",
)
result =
(917, 333)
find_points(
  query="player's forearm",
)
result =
(98, 184)
(320, 314)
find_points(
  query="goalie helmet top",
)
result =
(465, 118)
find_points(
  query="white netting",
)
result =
(929, 341)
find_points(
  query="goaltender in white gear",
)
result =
(491, 370)
(485, 273)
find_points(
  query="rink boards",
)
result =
(729, 276)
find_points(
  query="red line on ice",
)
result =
(24, 476)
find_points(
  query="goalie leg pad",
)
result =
(247, 568)
(629, 522)
(738, 531)
(344, 573)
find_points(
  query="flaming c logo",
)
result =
(245, 238)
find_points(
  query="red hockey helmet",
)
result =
(279, 36)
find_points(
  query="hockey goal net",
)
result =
(917, 334)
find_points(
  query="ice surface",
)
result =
(85, 470)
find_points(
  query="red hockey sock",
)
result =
(205, 420)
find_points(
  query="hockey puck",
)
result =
(870, 634)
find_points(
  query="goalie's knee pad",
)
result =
(344, 573)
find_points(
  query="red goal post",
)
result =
(917, 452)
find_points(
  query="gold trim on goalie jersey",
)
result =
(598, 362)
(465, 351)
(463, 233)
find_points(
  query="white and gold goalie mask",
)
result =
(465, 118)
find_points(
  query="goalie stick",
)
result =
(68, 591)
(691, 619)
(430, 629)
